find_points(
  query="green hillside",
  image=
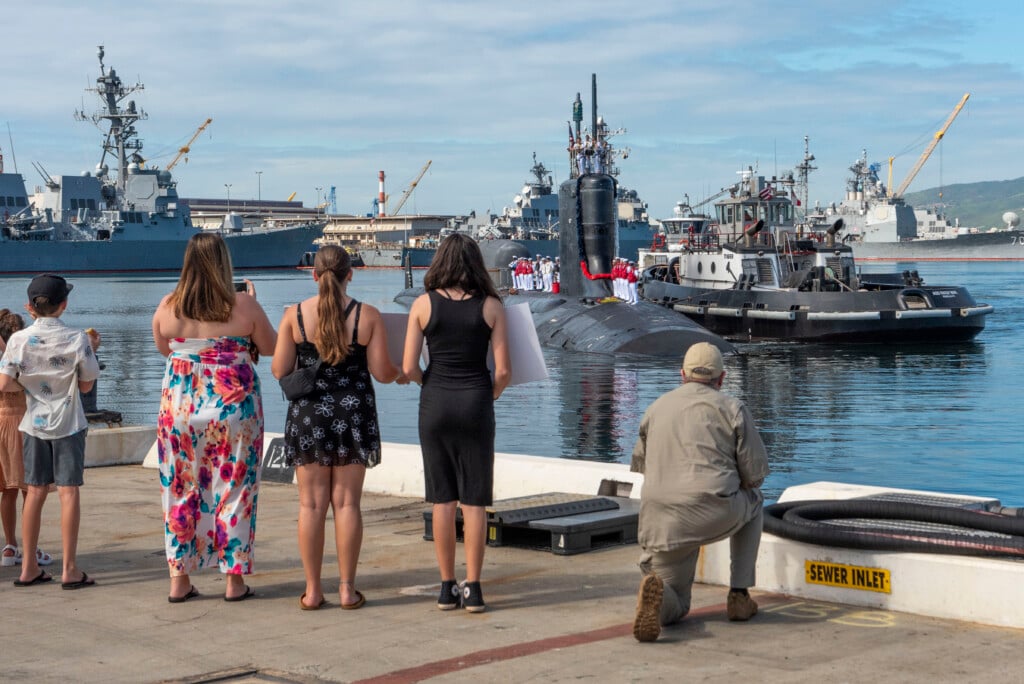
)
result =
(975, 204)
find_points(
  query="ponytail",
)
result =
(332, 266)
(330, 329)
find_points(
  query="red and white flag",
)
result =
(766, 193)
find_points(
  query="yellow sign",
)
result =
(848, 576)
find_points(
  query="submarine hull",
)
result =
(609, 327)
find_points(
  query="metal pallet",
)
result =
(563, 523)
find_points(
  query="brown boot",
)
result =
(740, 607)
(647, 623)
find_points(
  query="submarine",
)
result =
(584, 316)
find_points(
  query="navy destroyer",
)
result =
(130, 219)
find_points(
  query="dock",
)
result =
(550, 617)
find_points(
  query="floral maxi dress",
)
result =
(209, 441)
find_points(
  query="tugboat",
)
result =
(754, 275)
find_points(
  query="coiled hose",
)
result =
(946, 529)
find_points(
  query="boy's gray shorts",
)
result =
(58, 461)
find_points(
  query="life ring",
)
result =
(658, 242)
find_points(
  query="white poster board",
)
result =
(524, 347)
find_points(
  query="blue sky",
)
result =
(321, 94)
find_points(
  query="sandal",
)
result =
(13, 559)
(42, 558)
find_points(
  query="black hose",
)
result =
(964, 532)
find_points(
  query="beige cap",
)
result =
(703, 362)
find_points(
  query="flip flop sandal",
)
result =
(304, 606)
(86, 581)
(39, 579)
(248, 593)
(358, 603)
(192, 593)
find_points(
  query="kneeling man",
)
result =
(703, 463)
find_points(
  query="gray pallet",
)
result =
(612, 521)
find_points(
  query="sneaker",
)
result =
(450, 597)
(740, 607)
(647, 623)
(473, 597)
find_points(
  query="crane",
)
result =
(408, 190)
(185, 150)
(927, 153)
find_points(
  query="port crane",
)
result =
(927, 153)
(187, 147)
(409, 190)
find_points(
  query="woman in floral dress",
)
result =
(210, 426)
(332, 435)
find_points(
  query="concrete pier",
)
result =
(550, 618)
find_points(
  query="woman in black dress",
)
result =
(332, 434)
(460, 315)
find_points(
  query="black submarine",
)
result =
(583, 315)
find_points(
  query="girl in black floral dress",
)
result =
(331, 434)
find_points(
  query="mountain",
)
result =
(980, 205)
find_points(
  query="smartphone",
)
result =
(240, 286)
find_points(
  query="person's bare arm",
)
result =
(494, 314)
(419, 314)
(160, 340)
(283, 362)
(263, 334)
(377, 357)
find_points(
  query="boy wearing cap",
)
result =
(52, 364)
(703, 463)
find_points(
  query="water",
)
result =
(944, 418)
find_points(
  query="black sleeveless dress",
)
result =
(337, 424)
(456, 416)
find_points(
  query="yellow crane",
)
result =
(408, 190)
(927, 153)
(185, 150)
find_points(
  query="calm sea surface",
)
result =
(945, 418)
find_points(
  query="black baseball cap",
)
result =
(53, 287)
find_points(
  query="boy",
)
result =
(52, 364)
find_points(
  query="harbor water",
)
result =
(944, 417)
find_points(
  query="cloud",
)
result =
(316, 94)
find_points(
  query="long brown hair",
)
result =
(459, 264)
(10, 323)
(205, 291)
(332, 266)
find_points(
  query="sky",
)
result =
(309, 95)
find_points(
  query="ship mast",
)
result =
(122, 140)
(803, 173)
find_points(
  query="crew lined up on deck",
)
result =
(539, 274)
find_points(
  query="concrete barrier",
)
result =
(400, 473)
(106, 446)
(985, 590)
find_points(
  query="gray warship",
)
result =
(129, 220)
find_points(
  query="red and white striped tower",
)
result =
(380, 195)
